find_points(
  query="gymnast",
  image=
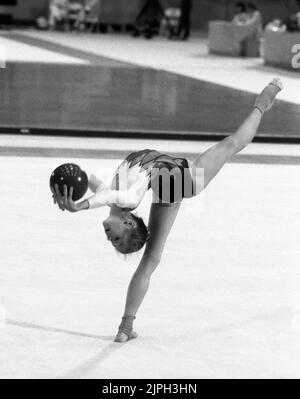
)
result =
(172, 180)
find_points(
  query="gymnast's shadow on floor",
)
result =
(34, 326)
(84, 368)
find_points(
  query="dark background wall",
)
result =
(26, 10)
(124, 11)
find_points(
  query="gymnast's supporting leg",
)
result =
(215, 157)
(137, 290)
(160, 223)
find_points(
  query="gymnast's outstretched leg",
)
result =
(215, 157)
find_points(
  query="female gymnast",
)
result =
(141, 171)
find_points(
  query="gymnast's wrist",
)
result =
(84, 205)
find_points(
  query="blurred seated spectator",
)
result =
(254, 19)
(92, 14)
(184, 29)
(148, 20)
(275, 26)
(240, 16)
(84, 15)
(170, 22)
(75, 14)
(58, 11)
(92, 5)
(293, 23)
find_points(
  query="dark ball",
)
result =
(70, 175)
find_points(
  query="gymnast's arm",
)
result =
(95, 184)
(102, 196)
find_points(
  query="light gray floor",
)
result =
(223, 303)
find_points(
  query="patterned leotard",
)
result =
(178, 185)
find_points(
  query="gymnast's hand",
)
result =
(65, 201)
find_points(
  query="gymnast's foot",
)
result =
(126, 332)
(122, 337)
(265, 100)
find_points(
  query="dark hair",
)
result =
(241, 5)
(251, 6)
(139, 236)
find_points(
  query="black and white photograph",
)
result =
(149, 192)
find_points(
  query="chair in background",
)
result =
(170, 23)
(58, 12)
(92, 15)
(75, 15)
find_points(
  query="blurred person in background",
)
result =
(92, 13)
(58, 12)
(170, 22)
(240, 17)
(185, 19)
(149, 19)
(275, 26)
(88, 14)
(254, 18)
(75, 14)
(91, 5)
(293, 22)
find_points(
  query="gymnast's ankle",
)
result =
(126, 332)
